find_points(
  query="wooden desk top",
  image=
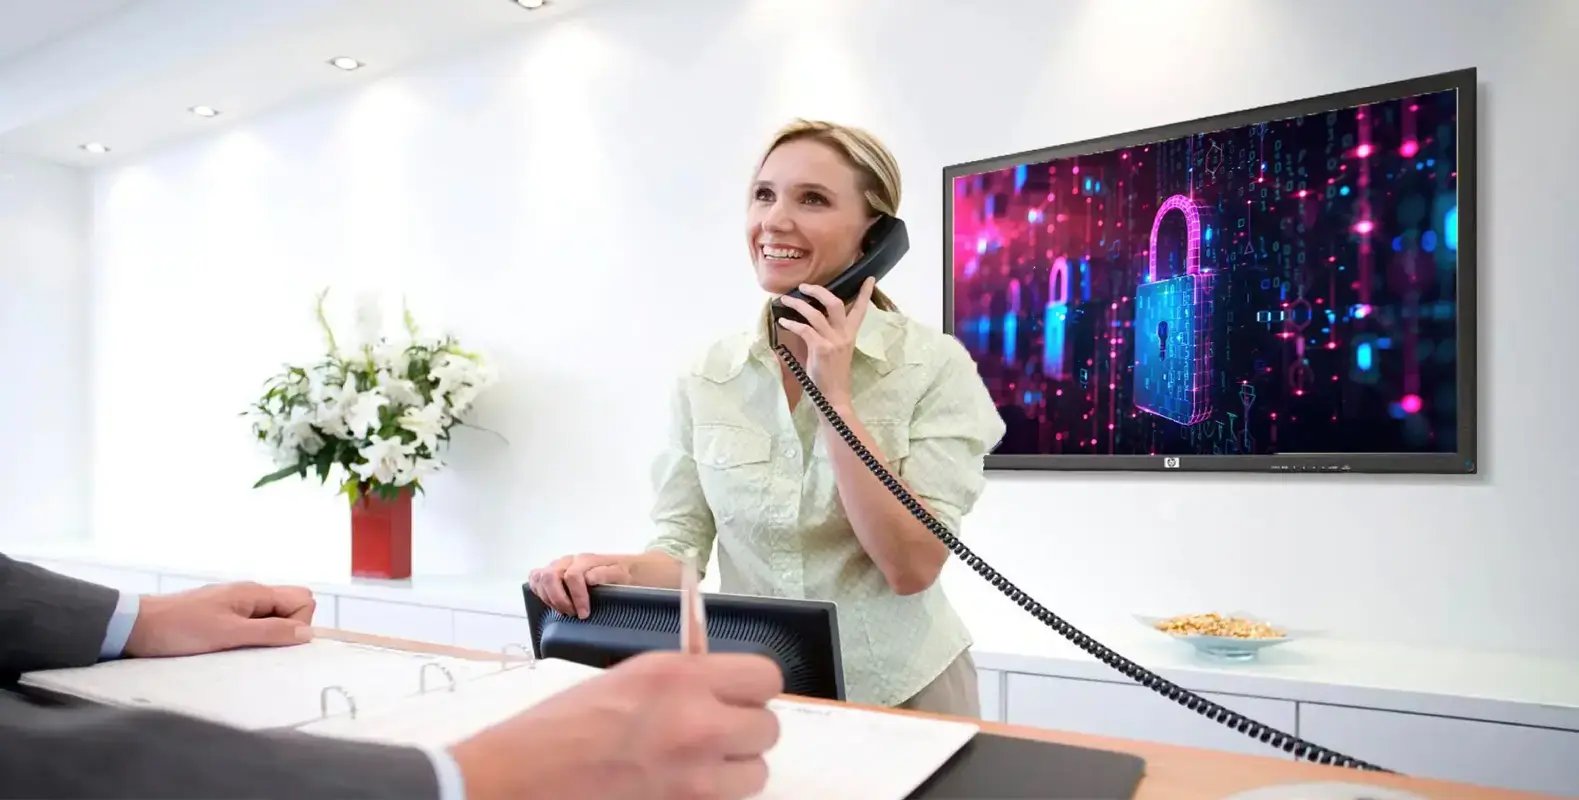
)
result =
(1173, 772)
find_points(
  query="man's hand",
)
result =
(221, 617)
(661, 725)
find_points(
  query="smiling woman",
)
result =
(792, 509)
(813, 166)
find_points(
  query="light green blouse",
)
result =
(740, 469)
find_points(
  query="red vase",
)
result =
(381, 536)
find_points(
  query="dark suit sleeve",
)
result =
(98, 751)
(48, 620)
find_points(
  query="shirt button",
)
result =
(789, 452)
(719, 461)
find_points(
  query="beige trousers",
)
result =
(953, 692)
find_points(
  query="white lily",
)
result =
(386, 458)
(392, 358)
(337, 400)
(417, 469)
(322, 406)
(362, 417)
(400, 391)
(461, 398)
(299, 432)
(427, 423)
(450, 372)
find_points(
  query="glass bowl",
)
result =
(1224, 647)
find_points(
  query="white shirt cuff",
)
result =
(451, 784)
(120, 627)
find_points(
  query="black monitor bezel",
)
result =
(1464, 461)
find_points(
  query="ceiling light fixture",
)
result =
(530, 5)
(95, 147)
(346, 63)
(204, 111)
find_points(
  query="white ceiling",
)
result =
(124, 72)
(30, 23)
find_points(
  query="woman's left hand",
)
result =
(830, 338)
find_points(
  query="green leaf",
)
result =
(274, 476)
(325, 461)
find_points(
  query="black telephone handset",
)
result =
(884, 243)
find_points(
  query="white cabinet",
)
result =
(131, 581)
(399, 620)
(491, 632)
(989, 685)
(169, 584)
(1471, 751)
(323, 614)
(1135, 712)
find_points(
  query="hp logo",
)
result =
(1170, 462)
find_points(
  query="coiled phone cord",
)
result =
(1184, 697)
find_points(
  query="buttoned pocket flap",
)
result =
(725, 446)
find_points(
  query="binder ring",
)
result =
(504, 652)
(422, 677)
(323, 700)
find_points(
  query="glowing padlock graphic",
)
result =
(1011, 322)
(1055, 314)
(1173, 348)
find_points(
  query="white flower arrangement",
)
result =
(380, 412)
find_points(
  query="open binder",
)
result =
(352, 690)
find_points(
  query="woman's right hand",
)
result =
(563, 583)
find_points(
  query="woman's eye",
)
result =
(816, 199)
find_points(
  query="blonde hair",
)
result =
(876, 167)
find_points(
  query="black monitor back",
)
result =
(801, 635)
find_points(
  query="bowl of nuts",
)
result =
(1235, 636)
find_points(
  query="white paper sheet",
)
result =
(440, 717)
(824, 751)
(259, 688)
(829, 751)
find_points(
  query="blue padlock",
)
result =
(1173, 347)
(1055, 317)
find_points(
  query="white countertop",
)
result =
(1503, 687)
(493, 595)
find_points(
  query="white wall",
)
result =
(44, 487)
(571, 200)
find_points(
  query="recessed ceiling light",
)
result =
(346, 63)
(529, 4)
(204, 111)
(95, 147)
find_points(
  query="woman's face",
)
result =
(806, 217)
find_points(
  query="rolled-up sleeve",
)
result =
(680, 512)
(954, 426)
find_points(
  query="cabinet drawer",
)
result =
(400, 620)
(1471, 751)
(990, 690)
(1135, 712)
